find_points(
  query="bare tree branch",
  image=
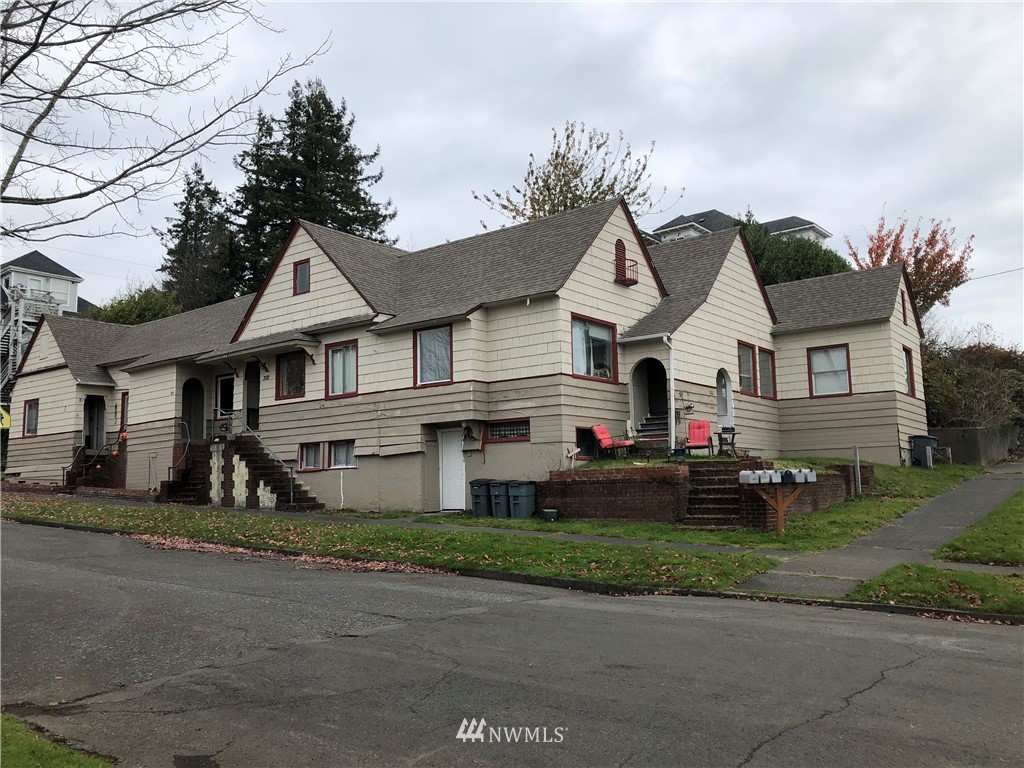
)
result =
(85, 86)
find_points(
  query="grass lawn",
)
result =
(602, 563)
(912, 584)
(998, 539)
(24, 748)
(367, 514)
(897, 491)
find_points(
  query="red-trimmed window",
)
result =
(342, 369)
(766, 372)
(593, 349)
(300, 277)
(124, 410)
(310, 457)
(291, 375)
(508, 431)
(30, 425)
(828, 371)
(432, 350)
(748, 368)
(903, 301)
(342, 454)
(908, 372)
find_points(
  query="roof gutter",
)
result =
(649, 337)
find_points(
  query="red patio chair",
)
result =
(606, 443)
(698, 437)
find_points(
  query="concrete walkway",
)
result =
(910, 539)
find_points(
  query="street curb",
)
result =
(603, 588)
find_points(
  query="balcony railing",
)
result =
(628, 273)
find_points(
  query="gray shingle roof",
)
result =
(851, 297)
(295, 335)
(790, 223)
(712, 220)
(370, 267)
(84, 306)
(180, 336)
(38, 262)
(449, 280)
(83, 342)
(688, 267)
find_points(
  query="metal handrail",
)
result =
(232, 416)
(188, 444)
(64, 470)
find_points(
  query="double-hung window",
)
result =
(829, 370)
(300, 277)
(309, 456)
(748, 371)
(342, 454)
(593, 349)
(342, 370)
(291, 375)
(434, 355)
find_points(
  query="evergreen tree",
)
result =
(306, 166)
(199, 242)
(785, 259)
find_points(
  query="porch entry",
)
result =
(193, 410)
(252, 394)
(94, 428)
(453, 469)
(648, 390)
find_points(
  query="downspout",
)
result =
(671, 393)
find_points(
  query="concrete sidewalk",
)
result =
(910, 539)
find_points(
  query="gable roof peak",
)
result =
(34, 261)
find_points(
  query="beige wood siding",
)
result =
(330, 295)
(586, 403)
(153, 395)
(757, 419)
(832, 426)
(44, 352)
(149, 452)
(522, 340)
(871, 357)
(59, 402)
(40, 459)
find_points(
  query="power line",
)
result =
(995, 274)
(97, 256)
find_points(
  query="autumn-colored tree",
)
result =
(584, 167)
(935, 261)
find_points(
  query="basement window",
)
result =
(508, 431)
(343, 454)
(309, 456)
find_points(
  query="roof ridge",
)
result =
(835, 274)
(521, 224)
(332, 230)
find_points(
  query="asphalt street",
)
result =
(189, 660)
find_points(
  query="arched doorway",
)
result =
(193, 409)
(723, 390)
(648, 386)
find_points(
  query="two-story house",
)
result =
(391, 378)
(697, 224)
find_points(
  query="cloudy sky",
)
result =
(833, 112)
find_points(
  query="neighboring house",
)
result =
(697, 224)
(30, 286)
(392, 378)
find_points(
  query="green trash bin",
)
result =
(522, 499)
(480, 491)
(499, 498)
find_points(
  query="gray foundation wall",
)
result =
(978, 446)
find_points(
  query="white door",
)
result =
(453, 469)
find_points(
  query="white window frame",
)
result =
(340, 348)
(351, 464)
(821, 354)
(446, 330)
(223, 413)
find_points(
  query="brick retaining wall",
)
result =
(652, 494)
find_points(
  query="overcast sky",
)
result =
(833, 112)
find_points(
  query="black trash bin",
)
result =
(499, 498)
(480, 491)
(919, 445)
(522, 499)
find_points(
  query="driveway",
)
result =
(184, 659)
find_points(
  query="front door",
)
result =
(94, 432)
(453, 469)
(252, 394)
